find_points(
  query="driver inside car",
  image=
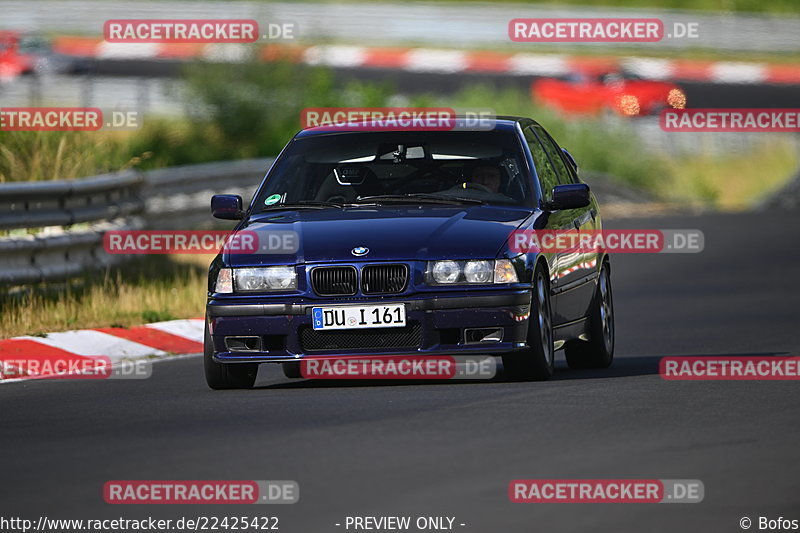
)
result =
(488, 176)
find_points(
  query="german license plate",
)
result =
(359, 317)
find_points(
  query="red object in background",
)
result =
(12, 61)
(595, 90)
(23, 52)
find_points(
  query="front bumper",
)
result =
(436, 325)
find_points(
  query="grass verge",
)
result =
(150, 289)
(731, 182)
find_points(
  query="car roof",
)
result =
(501, 123)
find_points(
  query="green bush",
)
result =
(256, 107)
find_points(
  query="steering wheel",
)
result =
(477, 187)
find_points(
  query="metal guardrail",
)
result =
(67, 202)
(66, 219)
(35, 258)
(180, 197)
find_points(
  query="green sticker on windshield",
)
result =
(273, 199)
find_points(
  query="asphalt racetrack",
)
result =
(451, 448)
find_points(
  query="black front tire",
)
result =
(536, 363)
(222, 376)
(598, 351)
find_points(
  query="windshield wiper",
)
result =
(415, 198)
(461, 199)
(302, 204)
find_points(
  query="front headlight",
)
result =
(478, 271)
(445, 271)
(450, 272)
(278, 278)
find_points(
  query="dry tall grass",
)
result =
(147, 290)
(51, 155)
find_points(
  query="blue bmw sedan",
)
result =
(398, 243)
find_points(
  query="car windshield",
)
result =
(380, 168)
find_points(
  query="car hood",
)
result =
(404, 233)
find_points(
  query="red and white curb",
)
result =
(157, 340)
(441, 60)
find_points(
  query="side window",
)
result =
(544, 168)
(552, 149)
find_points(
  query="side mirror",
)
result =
(570, 159)
(570, 196)
(227, 206)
